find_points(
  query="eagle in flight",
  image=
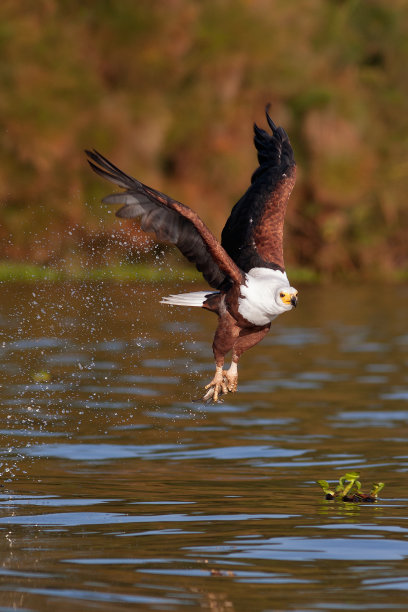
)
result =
(246, 269)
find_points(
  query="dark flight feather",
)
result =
(170, 221)
(253, 234)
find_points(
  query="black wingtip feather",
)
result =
(268, 118)
(274, 150)
(105, 168)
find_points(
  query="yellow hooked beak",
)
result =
(289, 298)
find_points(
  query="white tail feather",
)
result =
(195, 298)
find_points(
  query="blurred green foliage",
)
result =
(168, 89)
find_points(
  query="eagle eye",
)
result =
(282, 294)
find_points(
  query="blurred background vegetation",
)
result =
(169, 89)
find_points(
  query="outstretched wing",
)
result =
(253, 234)
(171, 221)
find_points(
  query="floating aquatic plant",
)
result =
(349, 489)
(41, 377)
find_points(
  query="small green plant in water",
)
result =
(41, 377)
(349, 489)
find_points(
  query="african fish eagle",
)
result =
(246, 270)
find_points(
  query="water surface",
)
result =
(121, 491)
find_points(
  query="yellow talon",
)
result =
(224, 381)
(217, 386)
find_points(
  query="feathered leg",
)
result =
(247, 338)
(225, 336)
(229, 336)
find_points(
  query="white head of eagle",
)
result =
(265, 295)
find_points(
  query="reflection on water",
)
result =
(122, 492)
